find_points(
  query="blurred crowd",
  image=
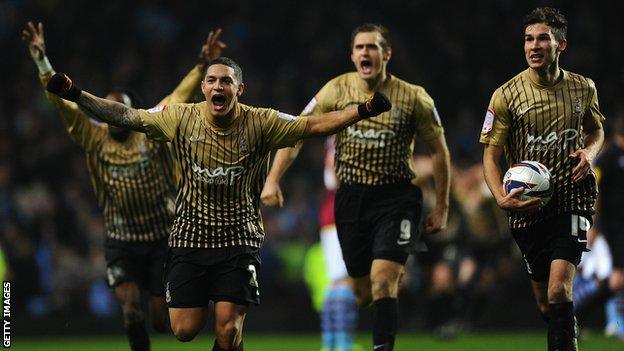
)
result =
(51, 231)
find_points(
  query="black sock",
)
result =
(385, 323)
(137, 336)
(216, 347)
(561, 335)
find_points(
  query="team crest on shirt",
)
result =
(578, 108)
(488, 122)
(243, 146)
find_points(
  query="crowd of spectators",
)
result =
(51, 231)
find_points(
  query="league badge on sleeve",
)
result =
(157, 109)
(436, 116)
(310, 106)
(489, 121)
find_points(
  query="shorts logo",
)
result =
(114, 274)
(527, 265)
(167, 294)
(253, 281)
(488, 122)
(404, 237)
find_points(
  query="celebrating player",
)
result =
(377, 208)
(133, 179)
(548, 115)
(222, 149)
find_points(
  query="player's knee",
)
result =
(363, 296)
(559, 292)
(227, 332)
(184, 333)
(383, 287)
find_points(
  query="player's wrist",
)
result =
(375, 105)
(43, 64)
(61, 85)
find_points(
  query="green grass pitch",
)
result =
(503, 341)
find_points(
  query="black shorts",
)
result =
(194, 277)
(615, 239)
(560, 237)
(377, 222)
(139, 262)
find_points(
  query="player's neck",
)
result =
(547, 77)
(374, 84)
(222, 122)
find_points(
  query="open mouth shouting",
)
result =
(218, 102)
(366, 66)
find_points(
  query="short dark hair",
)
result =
(552, 18)
(371, 27)
(226, 61)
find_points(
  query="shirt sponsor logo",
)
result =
(219, 175)
(488, 122)
(552, 140)
(370, 137)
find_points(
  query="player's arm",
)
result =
(332, 122)
(493, 177)
(593, 138)
(271, 192)
(210, 50)
(111, 112)
(441, 160)
(76, 122)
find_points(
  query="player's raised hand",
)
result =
(272, 194)
(512, 202)
(436, 220)
(213, 47)
(33, 36)
(582, 169)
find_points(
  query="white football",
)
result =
(533, 176)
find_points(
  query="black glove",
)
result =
(61, 85)
(374, 105)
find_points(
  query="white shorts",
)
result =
(334, 263)
(597, 262)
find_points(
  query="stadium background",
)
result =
(460, 51)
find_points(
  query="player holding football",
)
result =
(222, 149)
(548, 115)
(378, 209)
(134, 182)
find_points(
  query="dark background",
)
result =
(460, 51)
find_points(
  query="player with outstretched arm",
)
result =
(222, 149)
